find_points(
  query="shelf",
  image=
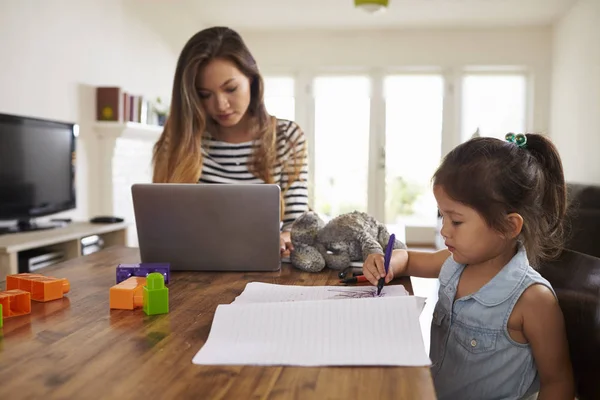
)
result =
(15, 242)
(129, 130)
(65, 239)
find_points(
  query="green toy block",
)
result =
(0, 315)
(156, 295)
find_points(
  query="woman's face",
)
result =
(224, 91)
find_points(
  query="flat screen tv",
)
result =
(37, 170)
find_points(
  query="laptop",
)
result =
(208, 227)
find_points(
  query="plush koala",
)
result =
(346, 238)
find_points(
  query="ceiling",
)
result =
(341, 14)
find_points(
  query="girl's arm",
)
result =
(403, 262)
(422, 264)
(543, 326)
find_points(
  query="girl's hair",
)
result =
(497, 177)
(177, 155)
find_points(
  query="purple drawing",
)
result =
(356, 293)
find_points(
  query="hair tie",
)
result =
(518, 139)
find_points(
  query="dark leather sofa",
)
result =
(583, 220)
(575, 277)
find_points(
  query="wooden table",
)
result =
(76, 348)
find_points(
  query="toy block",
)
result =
(1, 318)
(15, 302)
(42, 288)
(128, 294)
(156, 295)
(125, 271)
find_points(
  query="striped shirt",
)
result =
(228, 163)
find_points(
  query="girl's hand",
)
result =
(374, 269)
(285, 244)
(374, 266)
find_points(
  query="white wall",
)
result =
(451, 49)
(575, 122)
(52, 54)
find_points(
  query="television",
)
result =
(37, 170)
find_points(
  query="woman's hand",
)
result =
(285, 244)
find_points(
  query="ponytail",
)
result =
(554, 197)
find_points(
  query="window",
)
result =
(341, 136)
(279, 96)
(493, 104)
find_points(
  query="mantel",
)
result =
(128, 130)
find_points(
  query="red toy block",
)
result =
(42, 288)
(15, 303)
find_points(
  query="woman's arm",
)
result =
(294, 177)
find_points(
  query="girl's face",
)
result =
(224, 91)
(466, 234)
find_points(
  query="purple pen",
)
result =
(386, 262)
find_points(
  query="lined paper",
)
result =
(256, 292)
(381, 331)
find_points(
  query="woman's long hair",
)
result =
(177, 156)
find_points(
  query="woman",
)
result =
(219, 131)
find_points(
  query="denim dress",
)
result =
(472, 353)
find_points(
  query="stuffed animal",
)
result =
(346, 238)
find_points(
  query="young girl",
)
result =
(497, 329)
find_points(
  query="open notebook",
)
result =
(259, 292)
(316, 326)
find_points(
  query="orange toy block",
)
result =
(128, 294)
(42, 288)
(15, 303)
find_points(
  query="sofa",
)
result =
(575, 278)
(583, 219)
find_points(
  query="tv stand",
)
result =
(28, 225)
(63, 239)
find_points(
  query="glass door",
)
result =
(341, 143)
(413, 147)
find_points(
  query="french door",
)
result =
(375, 139)
(377, 143)
(341, 144)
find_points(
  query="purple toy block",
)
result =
(125, 271)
